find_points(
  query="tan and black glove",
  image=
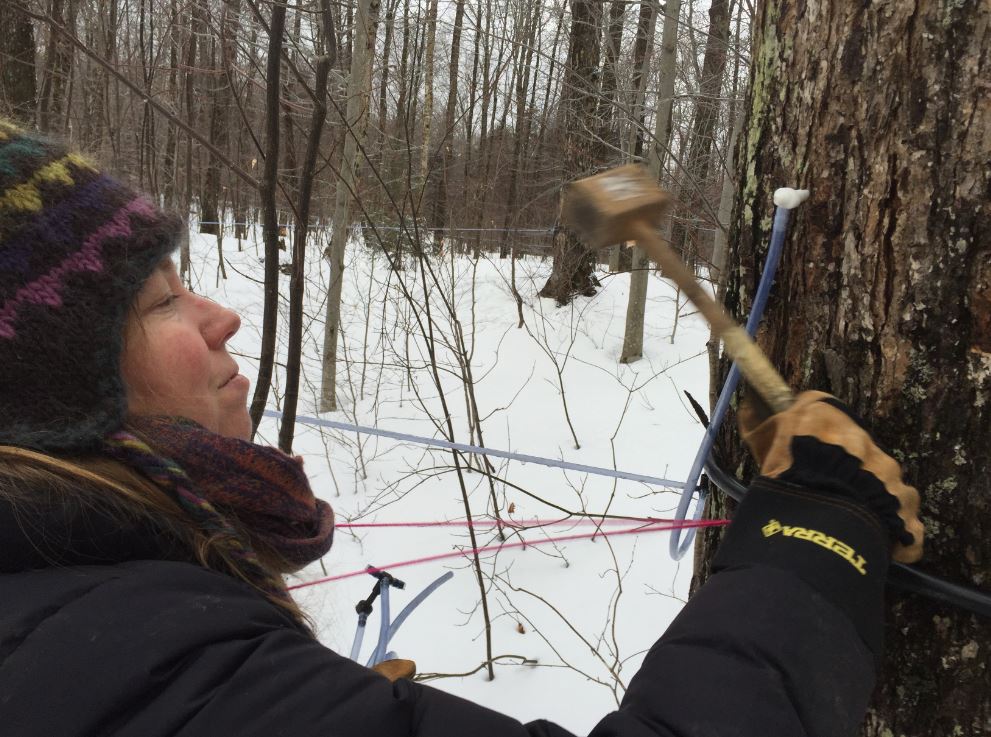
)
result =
(829, 506)
(395, 669)
(820, 444)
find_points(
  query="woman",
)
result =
(144, 537)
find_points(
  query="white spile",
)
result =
(789, 198)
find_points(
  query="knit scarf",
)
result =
(264, 490)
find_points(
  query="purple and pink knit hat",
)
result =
(75, 247)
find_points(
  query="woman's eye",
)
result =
(169, 302)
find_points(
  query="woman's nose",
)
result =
(221, 324)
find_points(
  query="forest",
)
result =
(405, 142)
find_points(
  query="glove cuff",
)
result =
(833, 544)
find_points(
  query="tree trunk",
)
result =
(693, 199)
(19, 91)
(884, 295)
(219, 96)
(169, 155)
(572, 271)
(481, 188)
(58, 67)
(440, 217)
(657, 154)
(402, 142)
(383, 110)
(297, 281)
(290, 159)
(549, 88)
(642, 50)
(428, 99)
(189, 89)
(359, 92)
(526, 48)
(468, 190)
(636, 305)
(270, 216)
(610, 70)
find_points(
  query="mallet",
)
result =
(625, 204)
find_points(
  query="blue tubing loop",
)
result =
(417, 600)
(679, 547)
(381, 652)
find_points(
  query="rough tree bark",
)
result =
(572, 272)
(884, 295)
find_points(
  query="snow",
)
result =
(588, 609)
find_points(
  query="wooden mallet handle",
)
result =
(625, 204)
(739, 346)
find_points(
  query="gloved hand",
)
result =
(395, 669)
(828, 507)
(818, 443)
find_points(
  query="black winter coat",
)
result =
(104, 633)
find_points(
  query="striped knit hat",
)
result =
(75, 247)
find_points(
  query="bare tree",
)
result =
(695, 181)
(297, 282)
(657, 153)
(573, 262)
(359, 94)
(219, 94)
(270, 216)
(17, 81)
(610, 68)
(428, 98)
(526, 47)
(440, 216)
(52, 103)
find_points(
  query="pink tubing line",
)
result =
(506, 546)
(508, 523)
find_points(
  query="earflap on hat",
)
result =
(76, 245)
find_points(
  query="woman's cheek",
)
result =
(175, 373)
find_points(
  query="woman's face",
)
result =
(175, 359)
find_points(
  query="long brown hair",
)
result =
(130, 497)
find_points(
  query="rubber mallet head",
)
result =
(609, 207)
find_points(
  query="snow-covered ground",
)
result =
(583, 611)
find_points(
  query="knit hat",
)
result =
(75, 248)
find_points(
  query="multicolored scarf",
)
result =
(261, 488)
